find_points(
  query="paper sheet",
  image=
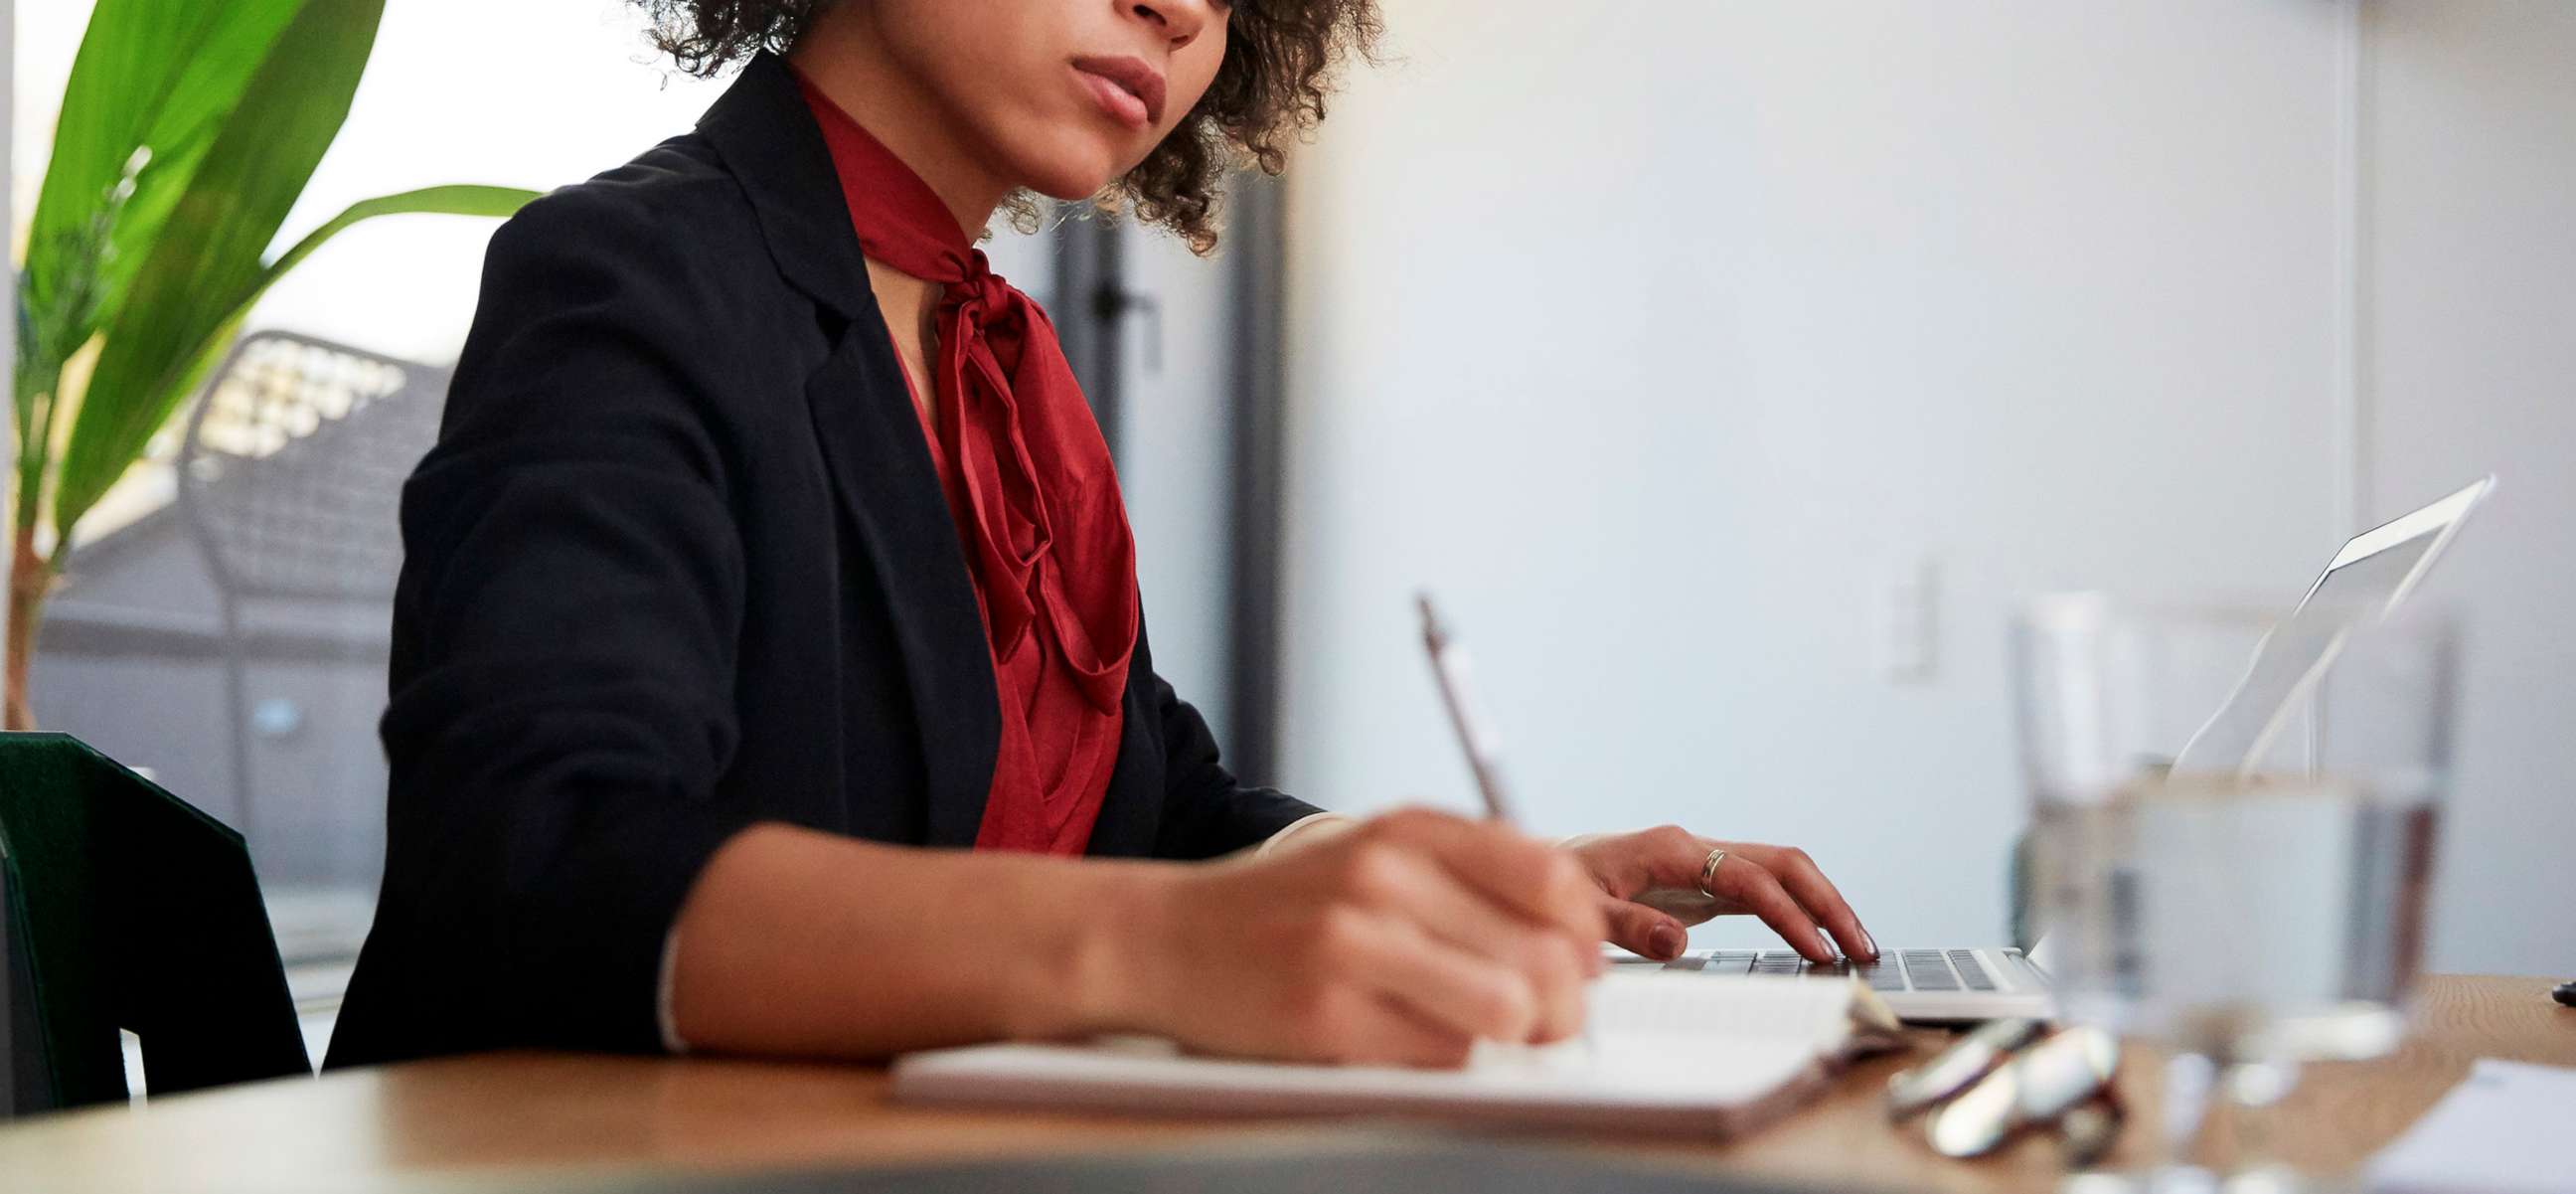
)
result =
(2503, 1130)
(1710, 1054)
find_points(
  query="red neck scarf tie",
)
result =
(1029, 481)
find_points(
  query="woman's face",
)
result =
(1059, 96)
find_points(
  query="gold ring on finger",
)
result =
(1708, 871)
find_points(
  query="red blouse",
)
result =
(1028, 479)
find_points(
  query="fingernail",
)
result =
(1869, 943)
(1819, 948)
(1666, 942)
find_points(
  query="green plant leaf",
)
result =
(152, 82)
(207, 256)
(457, 200)
(156, 76)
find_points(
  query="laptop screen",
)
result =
(2366, 580)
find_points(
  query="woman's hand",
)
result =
(1649, 891)
(1401, 940)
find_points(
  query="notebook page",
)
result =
(1717, 1073)
(1657, 1042)
(1658, 1006)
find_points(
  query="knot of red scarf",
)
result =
(1028, 479)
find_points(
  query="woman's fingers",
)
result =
(1403, 940)
(1643, 930)
(1808, 885)
(1385, 1032)
(1670, 858)
(1537, 881)
(1446, 987)
(1751, 885)
(1554, 964)
(1665, 857)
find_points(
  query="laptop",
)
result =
(2375, 570)
(1922, 986)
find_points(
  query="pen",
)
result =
(1449, 667)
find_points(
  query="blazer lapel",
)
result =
(889, 491)
(871, 440)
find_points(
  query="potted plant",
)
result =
(188, 130)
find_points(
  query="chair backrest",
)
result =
(128, 909)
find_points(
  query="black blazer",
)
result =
(680, 563)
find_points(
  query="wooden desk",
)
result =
(363, 1129)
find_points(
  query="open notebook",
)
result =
(1661, 1052)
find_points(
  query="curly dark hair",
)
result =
(1280, 57)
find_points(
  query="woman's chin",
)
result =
(1072, 177)
(1069, 192)
(1071, 186)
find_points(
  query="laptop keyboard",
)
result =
(1896, 970)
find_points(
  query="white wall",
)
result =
(2470, 365)
(1662, 340)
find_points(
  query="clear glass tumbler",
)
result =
(2233, 819)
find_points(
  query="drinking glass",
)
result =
(2233, 818)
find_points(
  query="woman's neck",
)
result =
(844, 59)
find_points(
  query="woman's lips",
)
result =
(1127, 89)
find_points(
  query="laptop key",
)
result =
(1881, 978)
(1971, 970)
(1933, 975)
(1686, 962)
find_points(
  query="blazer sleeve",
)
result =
(565, 634)
(1205, 811)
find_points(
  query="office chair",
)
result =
(128, 909)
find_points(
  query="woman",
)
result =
(769, 541)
